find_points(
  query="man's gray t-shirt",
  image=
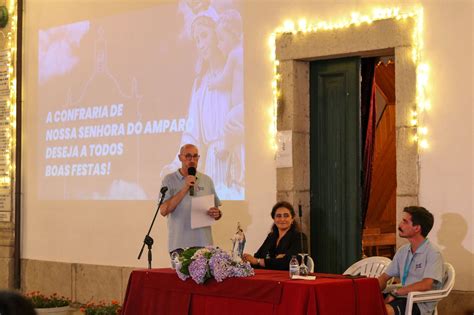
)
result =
(426, 262)
(180, 234)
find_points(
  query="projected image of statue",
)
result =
(229, 34)
(215, 116)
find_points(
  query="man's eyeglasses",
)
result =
(284, 215)
(189, 157)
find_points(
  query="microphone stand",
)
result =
(300, 213)
(148, 239)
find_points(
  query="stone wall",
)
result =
(7, 237)
(80, 282)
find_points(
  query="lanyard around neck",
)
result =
(408, 262)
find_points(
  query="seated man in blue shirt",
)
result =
(419, 264)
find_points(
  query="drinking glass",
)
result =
(304, 270)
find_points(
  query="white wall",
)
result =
(447, 166)
(112, 233)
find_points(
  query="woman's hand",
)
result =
(254, 261)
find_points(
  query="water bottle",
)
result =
(294, 267)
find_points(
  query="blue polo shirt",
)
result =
(180, 234)
(426, 262)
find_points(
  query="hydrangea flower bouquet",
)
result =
(204, 263)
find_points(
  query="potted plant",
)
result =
(52, 304)
(102, 308)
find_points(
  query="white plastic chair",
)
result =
(433, 295)
(371, 267)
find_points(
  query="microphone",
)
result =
(163, 190)
(192, 172)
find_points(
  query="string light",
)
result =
(6, 179)
(423, 131)
(356, 19)
(424, 144)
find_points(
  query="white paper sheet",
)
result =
(303, 277)
(199, 207)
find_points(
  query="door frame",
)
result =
(294, 51)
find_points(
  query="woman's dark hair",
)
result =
(283, 204)
(286, 205)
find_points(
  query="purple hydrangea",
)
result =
(242, 269)
(198, 270)
(220, 265)
(210, 262)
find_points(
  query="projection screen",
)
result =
(118, 95)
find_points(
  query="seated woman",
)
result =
(282, 242)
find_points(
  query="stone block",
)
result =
(403, 114)
(6, 251)
(301, 167)
(405, 85)
(6, 273)
(7, 236)
(293, 106)
(285, 195)
(301, 97)
(407, 162)
(285, 111)
(380, 35)
(98, 283)
(296, 177)
(285, 177)
(7, 242)
(48, 277)
(7, 225)
(405, 201)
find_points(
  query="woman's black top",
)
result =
(290, 245)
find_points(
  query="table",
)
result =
(160, 291)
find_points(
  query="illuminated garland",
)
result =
(356, 19)
(10, 132)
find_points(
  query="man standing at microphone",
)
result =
(182, 186)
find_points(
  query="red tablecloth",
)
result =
(160, 291)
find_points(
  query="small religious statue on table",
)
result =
(238, 243)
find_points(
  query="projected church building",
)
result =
(136, 133)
